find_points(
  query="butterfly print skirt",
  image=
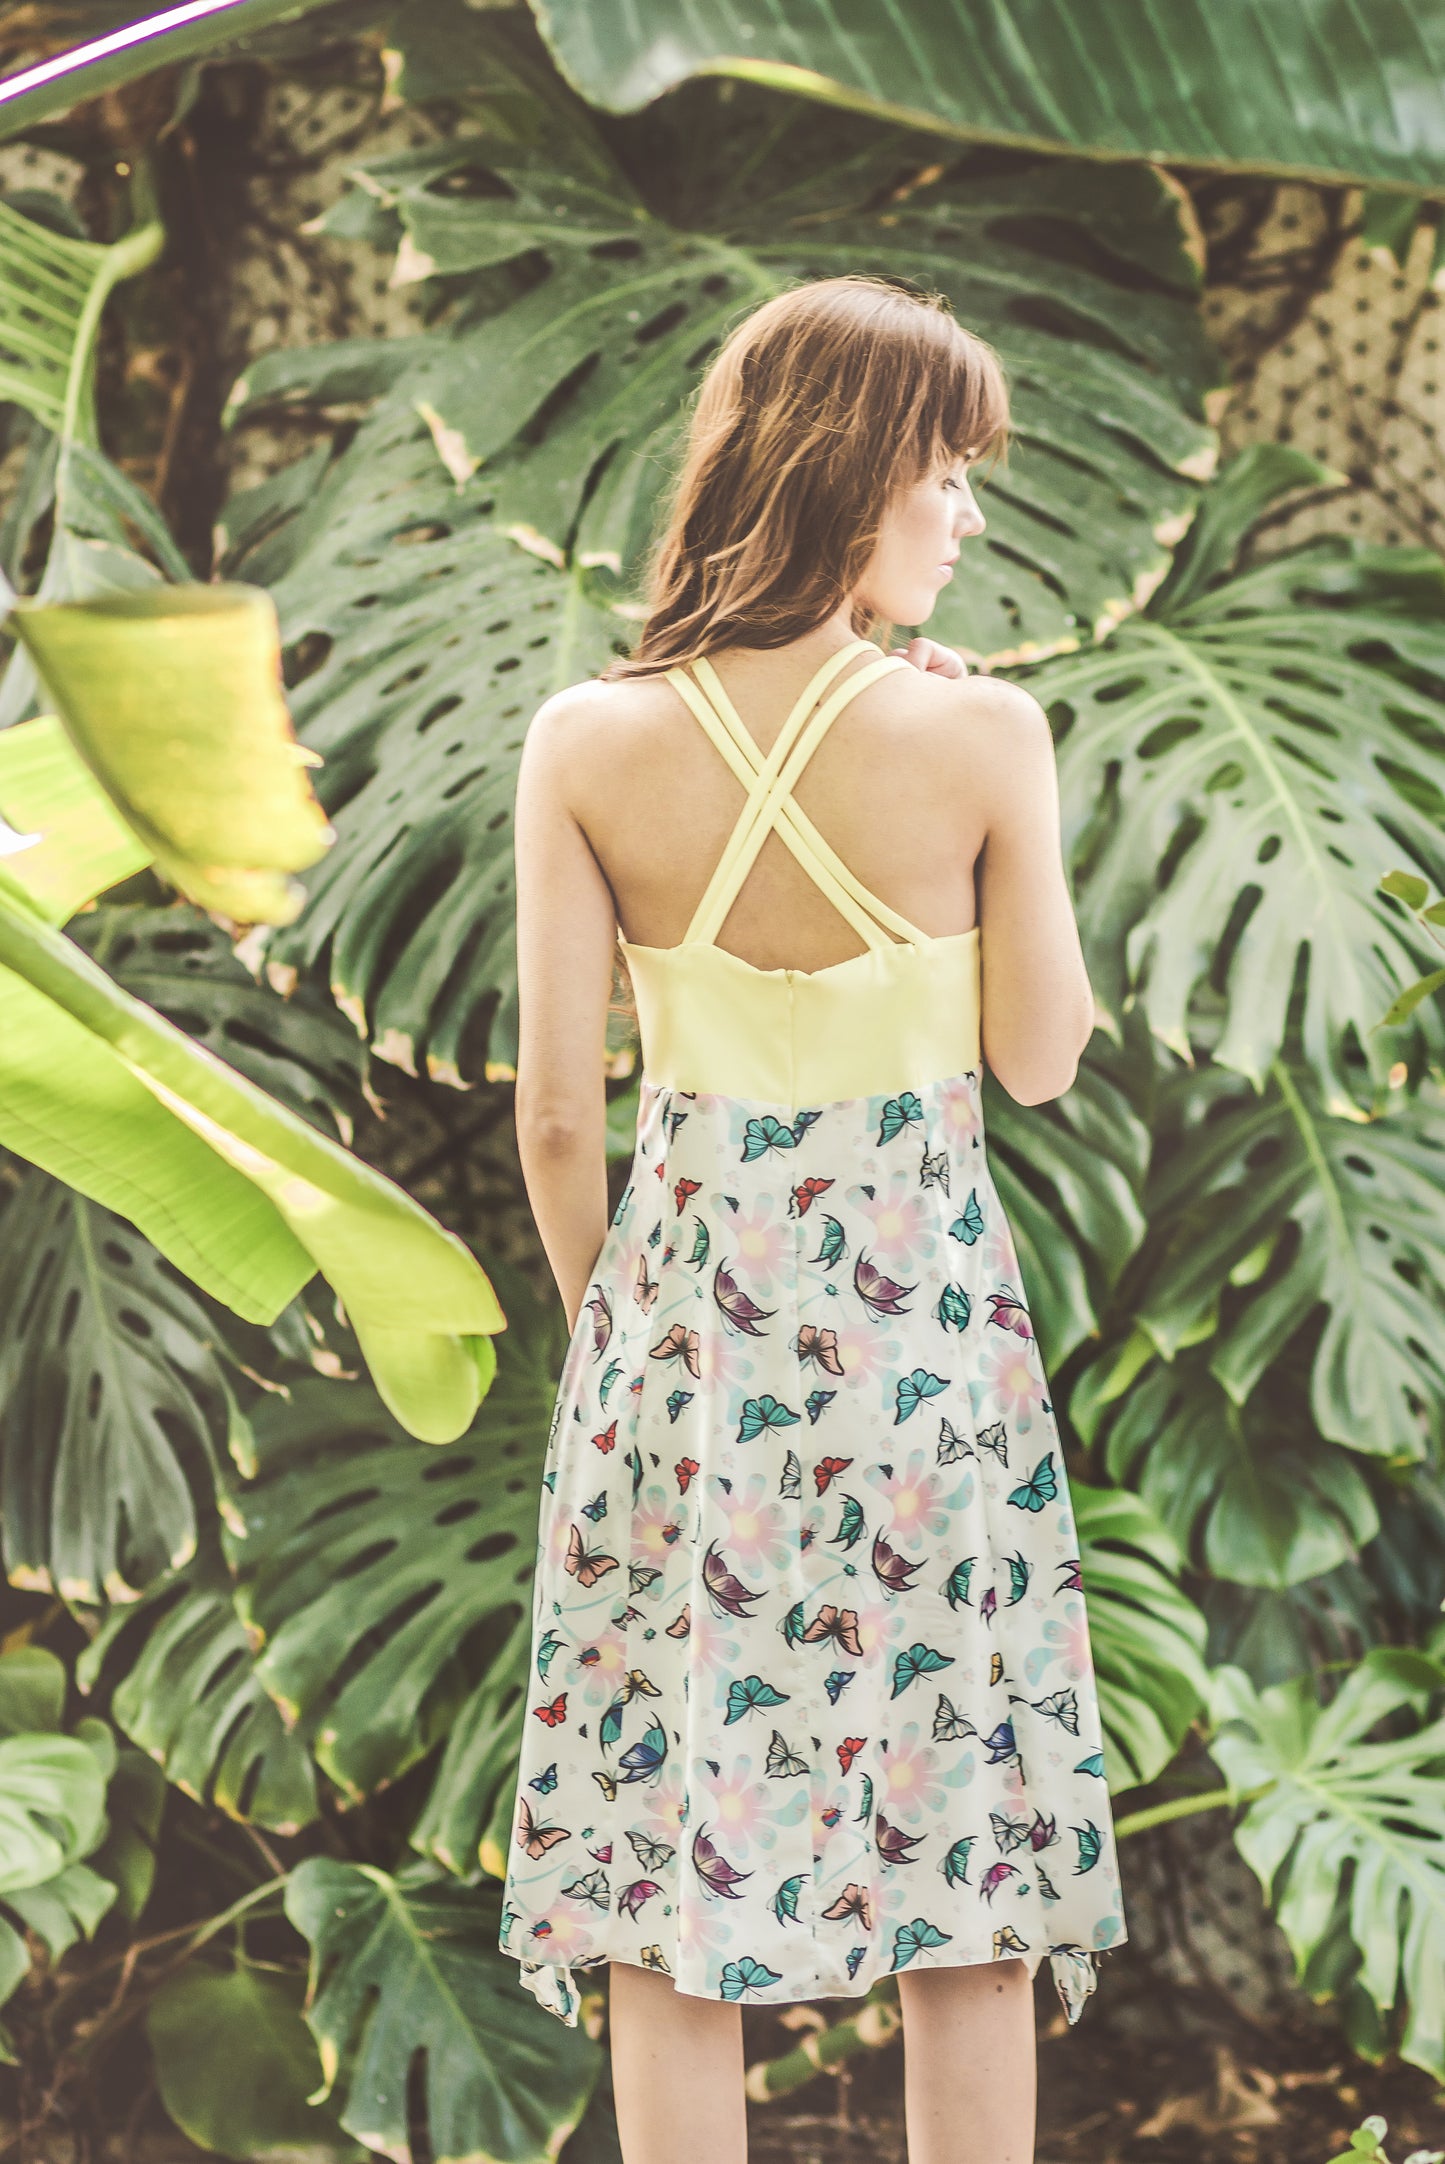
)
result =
(811, 1697)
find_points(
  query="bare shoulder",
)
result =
(590, 720)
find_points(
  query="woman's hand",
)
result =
(933, 659)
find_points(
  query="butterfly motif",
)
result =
(995, 1438)
(805, 1194)
(918, 1660)
(835, 1242)
(767, 1132)
(681, 1623)
(716, 1873)
(914, 1390)
(645, 1757)
(1008, 1833)
(955, 1586)
(1020, 1571)
(791, 1484)
(634, 1897)
(816, 1403)
(652, 1855)
(635, 1684)
(951, 1445)
(853, 1959)
(878, 1292)
(781, 1761)
(683, 1192)
(839, 1624)
(556, 1713)
(933, 1172)
(848, 1750)
(898, 1113)
(752, 1692)
(597, 1508)
(746, 1975)
(547, 1650)
(997, 1874)
(954, 1308)
(585, 1568)
(684, 1469)
(760, 1414)
(672, 1120)
(535, 1839)
(735, 1306)
(607, 1784)
(678, 1344)
(609, 1376)
(1040, 1487)
(955, 1864)
(826, 1471)
(600, 1308)
(968, 1225)
(647, 1288)
(1009, 1312)
(837, 1683)
(641, 1577)
(911, 1939)
(851, 1526)
(949, 1725)
(727, 1592)
(545, 1781)
(852, 1901)
(1044, 1831)
(821, 1347)
(701, 1245)
(894, 1845)
(593, 1888)
(784, 1903)
(675, 1401)
(1061, 1706)
(607, 1440)
(893, 1571)
(624, 1204)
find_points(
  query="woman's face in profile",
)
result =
(922, 530)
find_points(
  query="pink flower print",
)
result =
(602, 1663)
(998, 1256)
(960, 1115)
(864, 1354)
(656, 1525)
(701, 1928)
(723, 1363)
(713, 1649)
(906, 1785)
(665, 1801)
(874, 1619)
(898, 1218)
(756, 1533)
(735, 1805)
(1067, 1643)
(566, 1933)
(912, 1494)
(1008, 1373)
(759, 1240)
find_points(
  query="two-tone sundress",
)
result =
(812, 1699)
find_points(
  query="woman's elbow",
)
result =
(1038, 1082)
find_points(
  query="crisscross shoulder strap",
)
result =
(770, 804)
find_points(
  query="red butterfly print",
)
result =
(607, 1440)
(679, 1344)
(839, 1624)
(848, 1750)
(730, 1594)
(821, 1347)
(647, 1288)
(683, 1193)
(1009, 1312)
(685, 1468)
(892, 1569)
(554, 1715)
(659, 1170)
(878, 1292)
(535, 1839)
(806, 1194)
(585, 1568)
(826, 1471)
(852, 1901)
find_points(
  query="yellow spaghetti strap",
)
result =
(791, 814)
(761, 812)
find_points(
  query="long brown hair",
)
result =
(817, 407)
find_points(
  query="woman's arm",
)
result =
(566, 932)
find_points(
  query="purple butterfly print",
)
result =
(891, 1569)
(1009, 1312)
(600, 1308)
(734, 1305)
(878, 1292)
(1073, 1581)
(632, 1897)
(997, 1874)
(988, 1604)
(1044, 1832)
(716, 1873)
(728, 1592)
(895, 1846)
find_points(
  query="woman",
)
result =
(811, 1700)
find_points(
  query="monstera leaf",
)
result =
(1314, 89)
(1303, 1212)
(407, 1971)
(1350, 1826)
(1249, 1493)
(387, 1588)
(184, 1688)
(1235, 771)
(53, 288)
(1146, 1637)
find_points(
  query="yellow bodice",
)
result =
(900, 1015)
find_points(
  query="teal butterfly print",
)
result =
(1040, 1487)
(676, 1400)
(955, 1586)
(898, 1113)
(747, 1975)
(766, 1132)
(545, 1781)
(851, 1527)
(914, 1390)
(911, 1939)
(817, 1402)
(954, 1308)
(955, 1864)
(968, 1225)
(834, 1243)
(1091, 1845)
(918, 1660)
(701, 1243)
(745, 1696)
(784, 1903)
(760, 1414)
(596, 1510)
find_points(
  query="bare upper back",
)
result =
(900, 786)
